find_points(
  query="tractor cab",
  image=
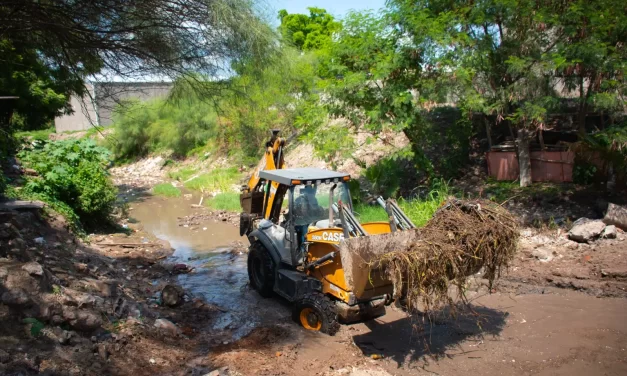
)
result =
(311, 197)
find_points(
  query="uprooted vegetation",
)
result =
(462, 238)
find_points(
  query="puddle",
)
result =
(220, 276)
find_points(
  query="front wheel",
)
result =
(260, 269)
(315, 311)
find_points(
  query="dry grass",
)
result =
(460, 239)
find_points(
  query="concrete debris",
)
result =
(585, 230)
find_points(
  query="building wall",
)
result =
(107, 95)
(110, 94)
(83, 117)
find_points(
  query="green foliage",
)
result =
(41, 134)
(72, 177)
(280, 95)
(36, 326)
(609, 147)
(3, 184)
(390, 174)
(43, 88)
(159, 126)
(507, 59)
(182, 174)
(501, 191)
(584, 173)
(167, 190)
(369, 213)
(308, 32)
(419, 210)
(228, 201)
(220, 179)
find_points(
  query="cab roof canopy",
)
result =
(305, 175)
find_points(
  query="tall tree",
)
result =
(308, 32)
(496, 57)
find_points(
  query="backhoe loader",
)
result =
(315, 253)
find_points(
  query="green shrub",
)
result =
(183, 174)
(72, 177)
(158, 126)
(220, 179)
(167, 190)
(419, 210)
(386, 176)
(41, 134)
(3, 183)
(228, 201)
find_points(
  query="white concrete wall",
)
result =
(83, 118)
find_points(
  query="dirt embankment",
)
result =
(93, 307)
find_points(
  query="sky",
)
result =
(337, 8)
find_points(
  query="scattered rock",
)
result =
(614, 273)
(616, 215)
(105, 288)
(4, 356)
(103, 352)
(33, 268)
(609, 232)
(223, 371)
(14, 298)
(82, 320)
(543, 254)
(40, 240)
(8, 231)
(172, 296)
(585, 230)
(167, 327)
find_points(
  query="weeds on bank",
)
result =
(183, 174)
(228, 201)
(166, 189)
(221, 179)
(41, 134)
(419, 210)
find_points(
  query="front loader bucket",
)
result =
(363, 278)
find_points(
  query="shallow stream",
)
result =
(220, 276)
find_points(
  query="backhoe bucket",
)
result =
(363, 278)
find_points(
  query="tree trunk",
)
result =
(524, 157)
(488, 132)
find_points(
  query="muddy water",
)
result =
(220, 276)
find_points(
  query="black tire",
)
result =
(260, 269)
(316, 311)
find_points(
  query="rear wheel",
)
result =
(260, 269)
(315, 311)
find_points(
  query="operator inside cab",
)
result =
(306, 211)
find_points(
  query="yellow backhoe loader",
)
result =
(315, 254)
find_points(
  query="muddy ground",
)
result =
(94, 307)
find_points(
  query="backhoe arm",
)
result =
(253, 198)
